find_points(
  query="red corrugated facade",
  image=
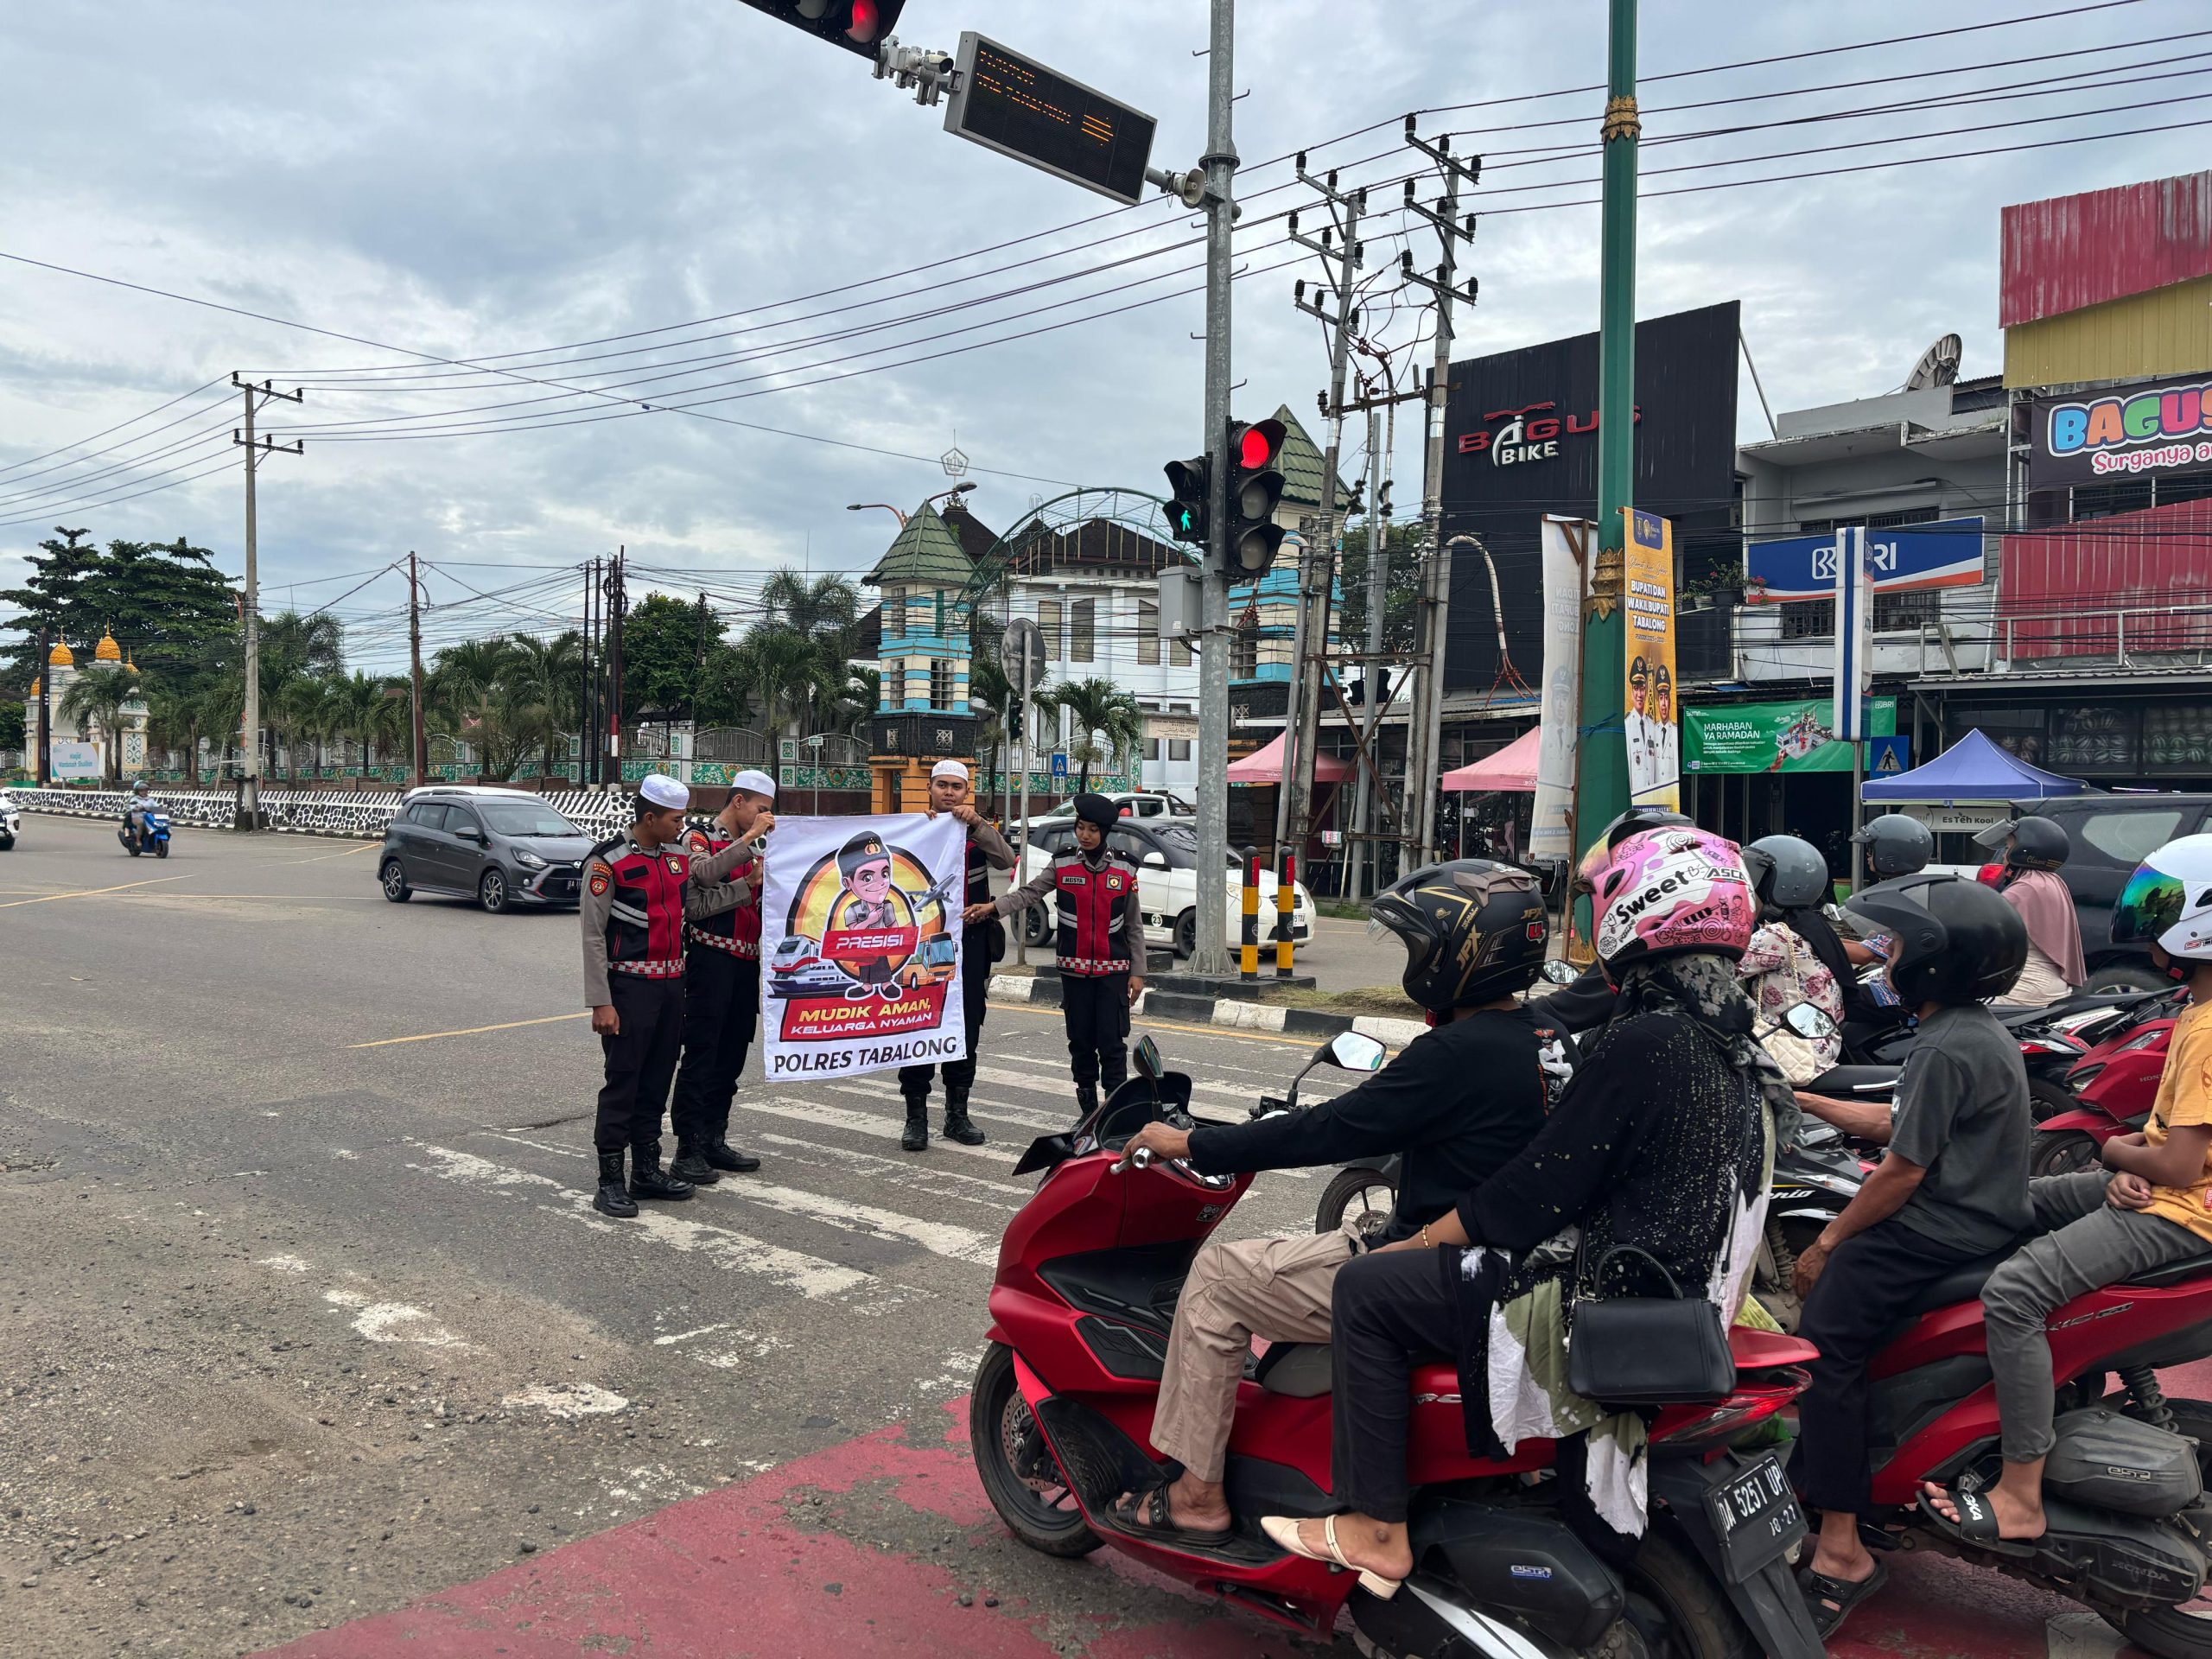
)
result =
(2060, 592)
(2065, 252)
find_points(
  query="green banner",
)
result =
(1773, 736)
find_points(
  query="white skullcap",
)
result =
(661, 790)
(756, 783)
(948, 769)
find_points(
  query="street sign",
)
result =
(1016, 106)
(1059, 765)
(1023, 638)
(1888, 756)
(1854, 634)
(1947, 555)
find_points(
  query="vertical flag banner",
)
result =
(1854, 635)
(859, 939)
(1653, 726)
(1566, 583)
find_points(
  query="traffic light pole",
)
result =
(1211, 957)
(1601, 788)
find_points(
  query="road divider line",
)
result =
(95, 892)
(944, 1238)
(366, 846)
(473, 1031)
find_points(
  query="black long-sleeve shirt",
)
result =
(1458, 1102)
(1580, 1005)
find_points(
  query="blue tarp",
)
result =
(1972, 769)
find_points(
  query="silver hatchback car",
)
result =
(502, 847)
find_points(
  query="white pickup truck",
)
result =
(1148, 805)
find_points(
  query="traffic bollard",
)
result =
(1248, 951)
(1286, 885)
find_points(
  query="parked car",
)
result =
(505, 846)
(1165, 853)
(2112, 834)
(1146, 804)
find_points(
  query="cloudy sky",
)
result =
(727, 205)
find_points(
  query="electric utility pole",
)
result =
(43, 737)
(249, 813)
(415, 669)
(1601, 790)
(1425, 709)
(1317, 554)
(588, 737)
(617, 602)
(1367, 872)
(1218, 164)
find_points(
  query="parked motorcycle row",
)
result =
(1084, 1298)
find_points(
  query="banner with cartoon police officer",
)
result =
(859, 941)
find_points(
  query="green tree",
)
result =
(1402, 587)
(11, 724)
(48, 598)
(665, 642)
(1097, 709)
(96, 697)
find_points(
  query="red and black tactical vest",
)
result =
(738, 930)
(644, 917)
(1097, 907)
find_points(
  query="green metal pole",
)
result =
(1601, 790)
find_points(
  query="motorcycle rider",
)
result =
(137, 813)
(2035, 850)
(1895, 845)
(1459, 1101)
(1794, 955)
(1586, 1002)
(2099, 1227)
(1953, 1187)
(982, 942)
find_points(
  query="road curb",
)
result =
(1231, 1013)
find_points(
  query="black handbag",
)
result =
(1647, 1350)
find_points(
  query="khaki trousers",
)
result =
(1275, 1288)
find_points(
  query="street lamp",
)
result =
(862, 506)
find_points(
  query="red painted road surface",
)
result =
(756, 1568)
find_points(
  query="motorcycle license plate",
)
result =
(1755, 1517)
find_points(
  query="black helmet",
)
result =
(1896, 845)
(1786, 873)
(1957, 941)
(2029, 842)
(1474, 930)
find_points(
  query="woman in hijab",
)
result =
(2035, 850)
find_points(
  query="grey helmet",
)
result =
(1787, 872)
(1896, 845)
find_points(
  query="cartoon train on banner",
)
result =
(868, 948)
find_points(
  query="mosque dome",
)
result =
(61, 656)
(33, 695)
(107, 650)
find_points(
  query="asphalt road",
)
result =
(312, 1338)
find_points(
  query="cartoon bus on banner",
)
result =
(867, 948)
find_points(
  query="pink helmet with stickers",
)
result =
(1666, 889)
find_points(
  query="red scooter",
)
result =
(2117, 1083)
(2124, 1488)
(1088, 1276)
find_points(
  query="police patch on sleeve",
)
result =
(601, 879)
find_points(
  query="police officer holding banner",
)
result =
(721, 1001)
(983, 943)
(640, 890)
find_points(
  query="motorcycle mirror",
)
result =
(1556, 972)
(1353, 1050)
(1147, 1060)
(1808, 1022)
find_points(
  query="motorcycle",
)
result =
(2052, 1042)
(2115, 1085)
(11, 822)
(1081, 1309)
(153, 839)
(2124, 1487)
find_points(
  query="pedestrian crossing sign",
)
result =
(1888, 756)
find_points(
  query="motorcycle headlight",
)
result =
(528, 860)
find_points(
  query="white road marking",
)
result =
(393, 1321)
(870, 1123)
(910, 1171)
(282, 1264)
(686, 1336)
(938, 1237)
(569, 1399)
(735, 1252)
(541, 1146)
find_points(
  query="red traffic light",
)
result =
(1258, 444)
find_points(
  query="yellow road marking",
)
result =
(473, 1031)
(366, 846)
(94, 893)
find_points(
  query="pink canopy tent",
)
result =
(1265, 766)
(1512, 767)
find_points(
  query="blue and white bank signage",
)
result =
(1944, 555)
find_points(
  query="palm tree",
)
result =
(96, 697)
(824, 610)
(300, 710)
(1097, 709)
(173, 724)
(988, 694)
(784, 674)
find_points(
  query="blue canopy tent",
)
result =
(1972, 769)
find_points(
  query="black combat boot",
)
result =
(956, 1126)
(722, 1155)
(917, 1137)
(691, 1165)
(649, 1180)
(1086, 1100)
(612, 1199)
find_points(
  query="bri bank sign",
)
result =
(1942, 555)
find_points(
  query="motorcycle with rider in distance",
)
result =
(153, 838)
(1082, 1307)
(11, 821)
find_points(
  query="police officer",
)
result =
(981, 943)
(639, 890)
(1100, 947)
(722, 993)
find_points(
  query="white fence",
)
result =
(601, 812)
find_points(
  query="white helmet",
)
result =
(2168, 901)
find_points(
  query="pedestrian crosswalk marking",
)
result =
(938, 1237)
(870, 1123)
(933, 1179)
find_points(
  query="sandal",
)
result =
(1830, 1601)
(1976, 1525)
(1283, 1531)
(1144, 1514)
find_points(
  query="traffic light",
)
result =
(1190, 487)
(1254, 487)
(856, 25)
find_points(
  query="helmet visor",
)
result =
(2150, 903)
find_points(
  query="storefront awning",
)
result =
(1265, 766)
(1512, 768)
(1972, 769)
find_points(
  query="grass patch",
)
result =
(1344, 909)
(1386, 999)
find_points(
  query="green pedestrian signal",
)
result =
(1190, 484)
